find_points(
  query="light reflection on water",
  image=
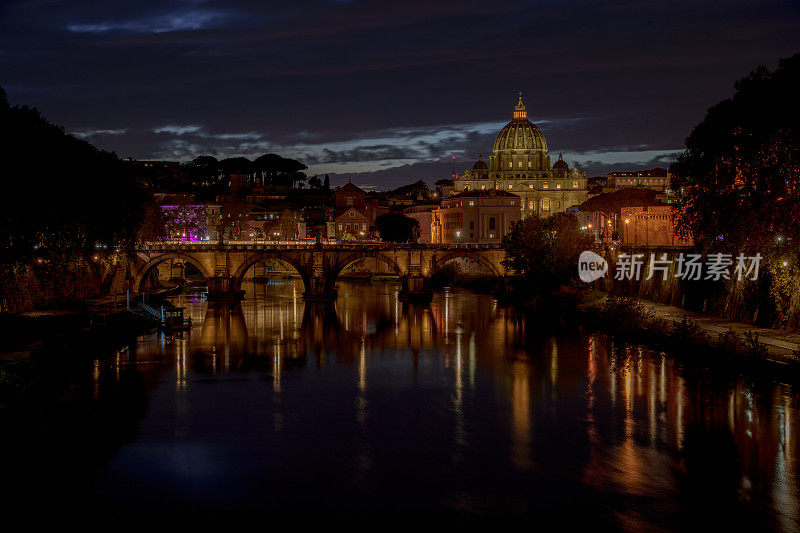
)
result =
(280, 410)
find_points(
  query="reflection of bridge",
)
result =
(224, 266)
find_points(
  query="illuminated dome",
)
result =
(560, 164)
(520, 146)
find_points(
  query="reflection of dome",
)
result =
(560, 164)
(480, 164)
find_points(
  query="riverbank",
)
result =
(678, 328)
(648, 322)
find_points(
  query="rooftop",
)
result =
(483, 193)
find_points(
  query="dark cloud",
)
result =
(356, 87)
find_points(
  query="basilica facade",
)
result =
(520, 164)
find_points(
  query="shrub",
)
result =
(688, 330)
(730, 341)
(625, 313)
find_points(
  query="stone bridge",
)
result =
(224, 265)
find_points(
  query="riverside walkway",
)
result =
(779, 344)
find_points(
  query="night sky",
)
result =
(386, 91)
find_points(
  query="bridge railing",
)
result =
(286, 245)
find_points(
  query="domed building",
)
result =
(520, 164)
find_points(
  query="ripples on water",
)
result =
(375, 411)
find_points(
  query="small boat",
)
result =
(172, 318)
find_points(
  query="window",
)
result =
(471, 224)
(340, 227)
(471, 202)
(545, 185)
(347, 227)
(575, 184)
(364, 226)
(530, 164)
(513, 202)
(349, 200)
(519, 164)
(510, 164)
(491, 223)
(530, 205)
(558, 185)
(545, 204)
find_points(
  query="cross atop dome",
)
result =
(520, 113)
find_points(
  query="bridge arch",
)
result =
(356, 256)
(238, 275)
(438, 262)
(145, 269)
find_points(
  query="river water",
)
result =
(381, 413)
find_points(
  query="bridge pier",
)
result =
(319, 291)
(320, 284)
(223, 288)
(415, 289)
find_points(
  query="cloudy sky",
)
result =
(385, 91)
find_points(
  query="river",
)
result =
(380, 413)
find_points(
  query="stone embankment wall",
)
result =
(51, 284)
(745, 301)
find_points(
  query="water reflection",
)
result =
(459, 410)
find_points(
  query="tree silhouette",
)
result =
(544, 251)
(396, 227)
(272, 169)
(739, 178)
(740, 173)
(61, 196)
(314, 182)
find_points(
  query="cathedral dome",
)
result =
(480, 164)
(520, 133)
(520, 147)
(560, 164)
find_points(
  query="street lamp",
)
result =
(458, 237)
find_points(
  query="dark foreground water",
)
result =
(379, 413)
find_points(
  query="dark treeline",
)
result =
(206, 177)
(740, 172)
(739, 179)
(62, 196)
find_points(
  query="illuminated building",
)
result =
(481, 216)
(520, 164)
